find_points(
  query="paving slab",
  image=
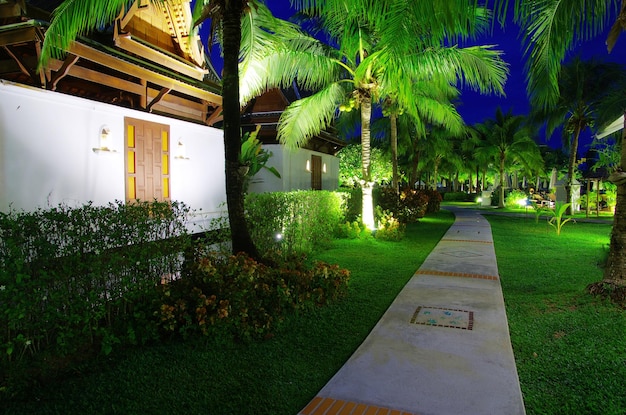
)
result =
(443, 345)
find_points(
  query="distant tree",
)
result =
(506, 141)
(582, 87)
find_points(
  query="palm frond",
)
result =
(74, 18)
(551, 28)
(308, 116)
(479, 67)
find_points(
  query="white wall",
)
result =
(46, 156)
(291, 164)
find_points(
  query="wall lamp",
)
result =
(104, 139)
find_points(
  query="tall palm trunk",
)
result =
(393, 118)
(616, 263)
(367, 184)
(241, 239)
(501, 200)
(570, 169)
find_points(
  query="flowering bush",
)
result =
(389, 228)
(246, 297)
(408, 206)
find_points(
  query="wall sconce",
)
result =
(181, 151)
(104, 139)
(324, 168)
(308, 165)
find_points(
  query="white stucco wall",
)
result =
(291, 164)
(46, 156)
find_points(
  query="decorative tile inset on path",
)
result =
(462, 254)
(444, 317)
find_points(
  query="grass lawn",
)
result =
(569, 347)
(277, 376)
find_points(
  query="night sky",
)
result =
(475, 107)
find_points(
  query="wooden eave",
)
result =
(143, 70)
(159, 89)
(139, 48)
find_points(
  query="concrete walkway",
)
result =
(442, 347)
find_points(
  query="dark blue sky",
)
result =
(475, 107)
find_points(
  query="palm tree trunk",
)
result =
(615, 270)
(570, 170)
(241, 239)
(393, 118)
(501, 200)
(366, 184)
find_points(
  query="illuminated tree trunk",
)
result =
(615, 271)
(570, 170)
(231, 24)
(393, 118)
(366, 183)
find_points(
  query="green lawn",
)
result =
(569, 347)
(277, 376)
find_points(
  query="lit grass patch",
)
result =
(569, 348)
(277, 376)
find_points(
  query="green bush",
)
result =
(353, 202)
(408, 206)
(351, 230)
(589, 200)
(245, 297)
(74, 278)
(458, 197)
(294, 222)
(389, 228)
(512, 198)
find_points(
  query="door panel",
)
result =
(147, 160)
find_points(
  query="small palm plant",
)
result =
(558, 216)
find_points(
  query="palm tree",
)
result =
(433, 103)
(562, 25)
(382, 48)
(507, 141)
(582, 87)
(76, 17)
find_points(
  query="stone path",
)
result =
(443, 345)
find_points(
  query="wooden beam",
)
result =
(19, 62)
(129, 15)
(127, 43)
(215, 117)
(14, 37)
(159, 96)
(63, 70)
(100, 78)
(164, 81)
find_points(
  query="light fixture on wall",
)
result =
(181, 151)
(308, 165)
(324, 168)
(104, 139)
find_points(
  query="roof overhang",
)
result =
(616, 125)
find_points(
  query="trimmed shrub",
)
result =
(294, 222)
(74, 278)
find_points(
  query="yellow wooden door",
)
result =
(147, 160)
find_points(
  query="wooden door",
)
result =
(316, 172)
(147, 160)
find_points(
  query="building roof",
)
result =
(143, 60)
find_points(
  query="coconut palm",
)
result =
(76, 17)
(562, 25)
(507, 141)
(381, 48)
(583, 85)
(433, 103)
